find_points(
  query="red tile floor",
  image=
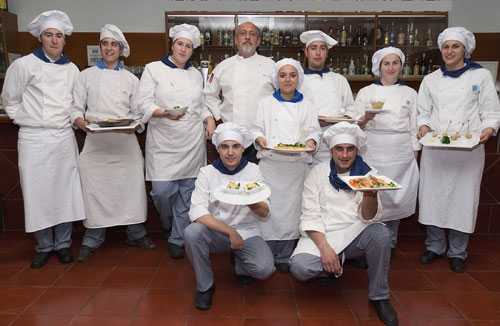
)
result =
(124, 285)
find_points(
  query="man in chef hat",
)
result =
(223, 227)
(329, 90)
(37, 95)
(111, 164)
(338, 223)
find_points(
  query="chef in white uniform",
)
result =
(223, 227)
(244, 79)
(393, 146)
(285, 117)
(110, 162)
(450, 179)
(329, 90)
(175, 144)
(338, 223)
(37, 96)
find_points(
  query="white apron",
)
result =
(338, 240)
(112, 172)
(286, 181)
(392, 155)
(49, 177)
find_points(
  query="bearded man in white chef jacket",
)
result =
(244, 79)
(338, 223)
(329, 91)
(37, 96)
(224, 227)
(111, 163)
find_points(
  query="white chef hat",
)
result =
(345, 133)
(190, 32)
(460, 34)
(380, 54)
(115, 33)
(311, 36)
(50, 19)
(231, 131)
(284, 62)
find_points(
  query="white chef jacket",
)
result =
(450, 179)
(37, 95)
(111, 164)
(401, 103)
(285, 122)
(175, 149)
(239, 217)
(243, 82)
(332, 96)
(337, 214)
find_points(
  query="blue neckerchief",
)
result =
(297, 97)
(100, 64)
(169, 63)
(222, 168)
(398, 82)
(308, 71)
(359, 167)
(457, 73)
(41, 55)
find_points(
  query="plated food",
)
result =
(370, 182)
(336, 119)
(455, 140)
(377, 105)
(290, 146)
(242, 192)
(114, 123)
(176, 110)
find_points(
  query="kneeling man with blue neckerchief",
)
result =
(338, 223)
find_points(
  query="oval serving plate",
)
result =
(114, 122)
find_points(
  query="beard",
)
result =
(246, 48)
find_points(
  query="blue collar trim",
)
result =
(100, 64)
(297, 97)
(222, 168)
(398, 82)
(457, 73)
(41, 55)
(308, 71)
(169, 63)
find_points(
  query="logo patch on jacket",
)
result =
(475, 88)
(408, 102)
(211, 78)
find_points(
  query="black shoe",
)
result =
(244, 279)
(65, 255)
(326, 280)
(85, 253)
(145, 242)
(360, 263)
(457, 265)
(203, 300)
(41, 258)
(175, 251)
(386, 312)
(166, 233)
(283, 267)
(429, 257)
(393, 253)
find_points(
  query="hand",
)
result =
(485, 135)
(210, 128)
(422, 131)
(236, 240)
(174, 117)
(370, 194)
(82, 124)
(160, 113)
(330, 261)
(261, 142)
(311, 143)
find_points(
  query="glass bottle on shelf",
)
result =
(276, 37)
(338, 33)
(366, 38)
(352, 67)
(330, 32)
(210, 66)
(392, 35)
(378, 37)
(4, 6)
(430, 66)
(208, 37)
(411, 37)
(359, 36)
(357, 67)
(338, 70)
(295, 38)
(345, 69)
(416, 68)
(231, 37)
(226, 37)
(330, 65)
(349, 40)
(401, 36)
(429, 42)
(202, 38)
(220, 37)
(386, 36)
(416, 42)
(299, 57)
(406, 67)
(268, 38)
(288, 38)
(423, 67)
(343, 36)
(365, 63)
(281, 38)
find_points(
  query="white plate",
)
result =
(298, 150)
(177, 111)
(335, 119)
(461, 142)
(376, 111)
(243, 198)
(346, 179)
(96, 128)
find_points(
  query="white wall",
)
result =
(147, 16)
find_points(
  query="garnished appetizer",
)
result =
(233, 185)
(297, 145)
(251, 185)
(371, 182)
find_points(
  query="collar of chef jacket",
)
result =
(169, 63)
(398, 82)
(222, 168)
(359, 167)
(297, 96)
(457, 73)
(101, 65)
(41, 55)
(308, 71)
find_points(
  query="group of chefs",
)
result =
(261, 103)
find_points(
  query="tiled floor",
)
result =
(124, 285)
